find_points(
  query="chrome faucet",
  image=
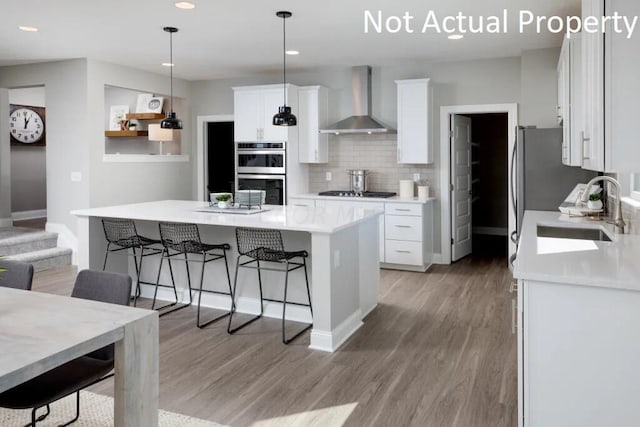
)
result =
(618, 222)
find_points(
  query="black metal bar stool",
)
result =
(184, 239)
(121, 235)
(266, 245)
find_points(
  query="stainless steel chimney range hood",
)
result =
(361, 122)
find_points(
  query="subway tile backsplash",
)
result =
(376, 153)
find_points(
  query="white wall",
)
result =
(539, 88)
(119, 183)
(67, 132)
(28, 163)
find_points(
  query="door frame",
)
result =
(202, 151)
(445, 165)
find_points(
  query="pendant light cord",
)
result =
(284, 59)
(171, 67)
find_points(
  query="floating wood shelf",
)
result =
(145, 116)
(125, 133)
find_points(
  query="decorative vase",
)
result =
(224, 205)
(594, 205)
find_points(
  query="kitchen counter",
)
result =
(284, 218)
(394, 199)
(614, 264)
(344, 268)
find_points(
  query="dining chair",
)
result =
(80, 373)
(16, 274)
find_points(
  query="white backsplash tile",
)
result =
(376, 153)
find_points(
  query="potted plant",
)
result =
(595, 201)
(224, 201)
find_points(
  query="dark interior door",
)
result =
(221, 157)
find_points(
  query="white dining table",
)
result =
(39, 332)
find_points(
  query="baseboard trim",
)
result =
(330, 341)
(22, 215)
(437, 259)
(66, 239)
(223, 302)
(6, 222)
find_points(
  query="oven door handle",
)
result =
(241, 151)
(277, 176)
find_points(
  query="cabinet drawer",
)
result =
(412, 209)
(403, 252)
(308, 203)
(403, 228)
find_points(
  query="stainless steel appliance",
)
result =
(345, 193)
(358, 180)
(261, 157)
(274, 185)
(539, 180)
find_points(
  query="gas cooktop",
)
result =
(347, 193)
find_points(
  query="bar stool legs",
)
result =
(231, 330)
(286, 340)
(232, 308)
(173, 286)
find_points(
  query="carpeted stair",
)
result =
(37, 247)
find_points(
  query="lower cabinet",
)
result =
(406, 230)
(578, 353)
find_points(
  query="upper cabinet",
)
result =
(570, 109)
(610, 87)
(414, 124)
(313, 108)
(254, 108)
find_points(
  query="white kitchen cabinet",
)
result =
(414, 121)
(610, 62)
(408, 235)
(578, 354)
(569, 109)
(313, 107)
(254, 108)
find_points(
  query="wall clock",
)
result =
(27, 125)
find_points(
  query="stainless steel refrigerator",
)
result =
(539, 180)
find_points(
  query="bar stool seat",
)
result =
(266, 245)
(183, 239)
(122, 234)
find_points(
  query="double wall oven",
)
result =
(262, 166)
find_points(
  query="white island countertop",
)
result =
(286, 218)
(614, 264)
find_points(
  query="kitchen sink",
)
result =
(573, 233)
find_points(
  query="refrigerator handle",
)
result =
(512, 173)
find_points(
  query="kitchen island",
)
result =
(342, 243)
(578, 322)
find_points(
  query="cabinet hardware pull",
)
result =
(514, 317)
(403, 226)
(403, 252)
(403, 210)
(585, 153)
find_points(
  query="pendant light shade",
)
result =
(171, 121)
(284, 117)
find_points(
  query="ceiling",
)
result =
(230, 38)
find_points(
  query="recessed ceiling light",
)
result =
(168, 64)
(185, 5)
(28, 29)
(456, 37)
(292, 52)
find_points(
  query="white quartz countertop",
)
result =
(286, 218)
(394, 199)
(614, 264)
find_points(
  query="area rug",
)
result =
(95, 411)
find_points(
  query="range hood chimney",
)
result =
(361, 121)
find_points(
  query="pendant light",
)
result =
(171, 121)
(284, 117)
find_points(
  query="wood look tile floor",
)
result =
(437, 351)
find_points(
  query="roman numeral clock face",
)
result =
(26, 125)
